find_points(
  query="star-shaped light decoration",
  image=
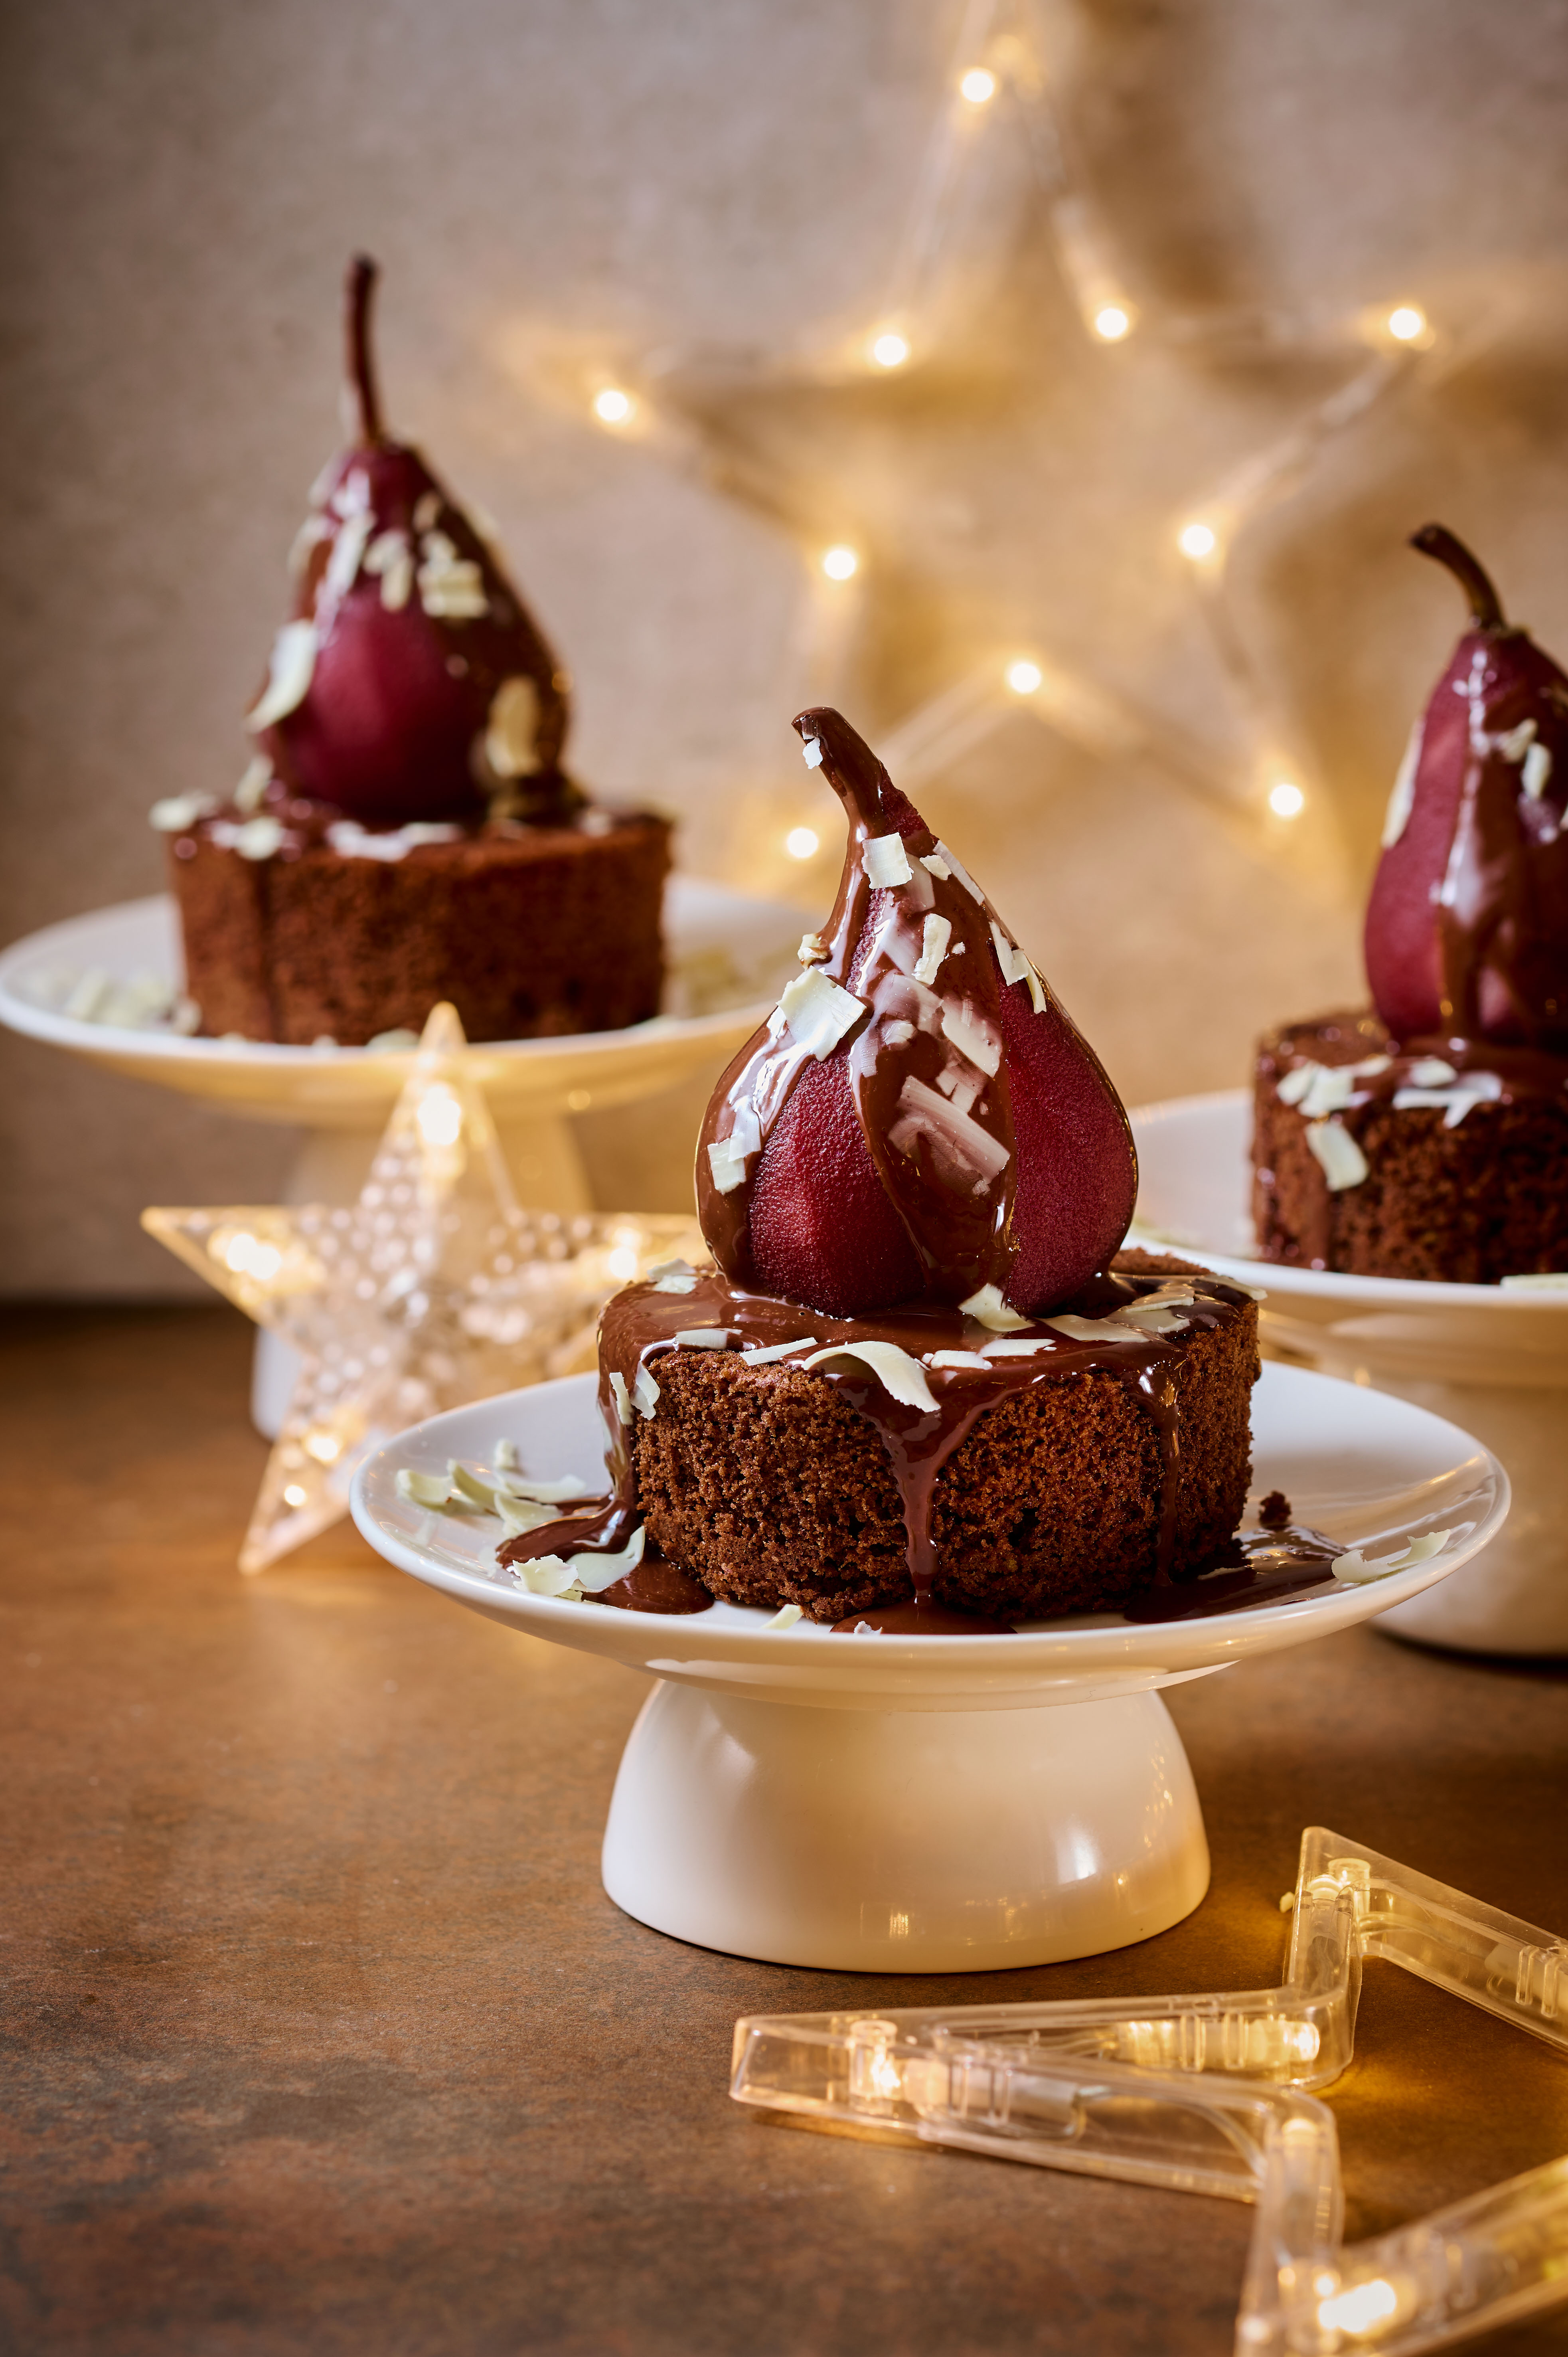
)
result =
(435, 1288)
(1211, 2095)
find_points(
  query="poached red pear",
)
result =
(412, 683)
(1468, 924)
(920, 1119)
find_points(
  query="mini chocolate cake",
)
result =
(920, 1385)
(1450, 1164)
(529, 931)
(1066, 1480)
(407, 833)
(1429, 1138)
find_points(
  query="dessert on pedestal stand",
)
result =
(1492, 1361)
(929, 1803)
(725, 952)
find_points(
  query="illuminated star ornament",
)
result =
(1214, 2094)
(433, 1289)
(750, 425)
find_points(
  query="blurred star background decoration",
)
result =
(433, 1289)
(1122, 347)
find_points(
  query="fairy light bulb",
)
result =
(1286, 800)
(440, 1116)
(612, 406)
(1111, 322)
(803, 843)
(1024, 677)
(840, 562)
(978, 85)
(890, 350)
(1197, 541)
(1406, 323)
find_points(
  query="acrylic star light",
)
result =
(433, 1288)
(1209, 2095)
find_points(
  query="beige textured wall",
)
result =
(715, 185)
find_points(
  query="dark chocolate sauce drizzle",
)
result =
(641, 1323)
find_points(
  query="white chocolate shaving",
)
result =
(963, 1152)
(423, 1489)
(1355, 1571)
(1537, 771)
(1401, 801)
(971, 1359)
(512, 733)
(1338, 1157)
(289, 676)
(645, 1392)
(936, 933)
(988, 1308)
(989, 1351)
(785, 1617)
(819, 1012)
(672, 1276)
(704, 1338)
(887, 861)
(248, 793)
(621, 1397)
(951, 866)
(503, 1455)
(900, 1376)
(426, 509)
(352, 841)
(347, 548)
(811, 752)
(175, 812)
(257, 838)
(765, 1357)
(1091, 1329)
(594, 1572)
(972, 1036)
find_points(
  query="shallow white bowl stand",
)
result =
(929, 1804)
(341, 1099)
(1494, 1362)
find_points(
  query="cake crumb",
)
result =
(1274, 1512)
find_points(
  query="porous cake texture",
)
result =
(530, 932)
(765, 1483)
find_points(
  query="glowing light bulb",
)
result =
(1024, 678)
(440, 1117)
(1112, 323)
(612, 406)
(977, 85)
(890, 350)
(1406, 323)
(803, 843)
(1197, 540)
(1286, 800)
(840, 562)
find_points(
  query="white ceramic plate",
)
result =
(1194, 1191)
(1360, 1466)
(756, 936)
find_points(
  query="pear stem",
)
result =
(357, 293)
(1436, 541)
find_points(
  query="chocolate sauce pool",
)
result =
(639, 1328)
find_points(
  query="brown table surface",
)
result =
(320, 2034)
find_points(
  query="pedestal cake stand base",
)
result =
(896, 1804)
(905, 1841)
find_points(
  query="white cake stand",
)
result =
(929, 1803)
(1494, 1362)
(726, 951)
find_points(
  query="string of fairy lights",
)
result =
(1001, 67)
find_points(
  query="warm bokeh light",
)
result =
(1112, 323)
(1196, 540)
(1286, 800)
(890, 350)
(839, 563)
(1024, 678)
(977, 84)
(803, 843)
(612, 406)
(1406, 323)
(440, 1116)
